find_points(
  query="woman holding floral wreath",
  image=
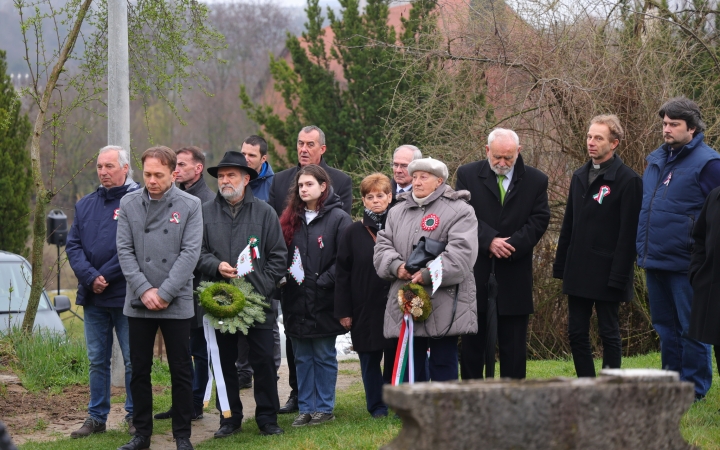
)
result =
(312, 224)
(436, 212)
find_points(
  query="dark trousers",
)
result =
(374, 378)
(260, 355)
(198, 352)
(579, 313)
(443, 362)
(511, 341)
(244, 369)
(292, 370)
(176, 333)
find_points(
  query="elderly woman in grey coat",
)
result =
(432, 210)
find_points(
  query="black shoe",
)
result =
(163, 415)
(270, 429)
(227, 430)
(137, 443)
(244, 383)
(183, 443)
(291, 405)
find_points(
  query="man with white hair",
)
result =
(402, 180)
(511, 204)
(92, 254)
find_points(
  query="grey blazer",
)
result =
(158, 244)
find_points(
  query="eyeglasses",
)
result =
(400, 166)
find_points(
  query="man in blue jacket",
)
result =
(93, 257)
(255, 151)
(678, 178)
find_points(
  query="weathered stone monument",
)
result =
(621, 409)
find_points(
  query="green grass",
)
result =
(352, 428)
(44, 360)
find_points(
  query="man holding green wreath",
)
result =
(236, 227)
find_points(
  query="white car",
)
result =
(15, 276)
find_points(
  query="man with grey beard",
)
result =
(234, 220)
(511, 205)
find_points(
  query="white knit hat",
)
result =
(429, 165)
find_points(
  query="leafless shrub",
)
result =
(544, 69)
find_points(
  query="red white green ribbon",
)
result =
(116, 213)
(175, 217)
(404, 353)
(254, 242)
(602, 193)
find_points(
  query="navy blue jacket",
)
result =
(261, 185)
(91, 248)
(672, 200)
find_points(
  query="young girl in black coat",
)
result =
(312, 224)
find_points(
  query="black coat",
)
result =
(308, 309)
(393, 187)
(341, 183)
(704, 273)
(596, 250)
(523, 217)
(359, 292)
(200, 190)
(225, 236)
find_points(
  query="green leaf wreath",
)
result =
(232, 307)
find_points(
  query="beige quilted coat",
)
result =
(458, 228)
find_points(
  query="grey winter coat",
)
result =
(158, 244)
(225, 236)
(458, 229)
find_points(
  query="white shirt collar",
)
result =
(509, 175)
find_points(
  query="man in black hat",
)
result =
(229, 223)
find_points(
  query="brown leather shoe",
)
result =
(88, 427)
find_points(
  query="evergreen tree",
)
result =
(15, 179)
(353, 111)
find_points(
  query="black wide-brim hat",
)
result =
(233, 159)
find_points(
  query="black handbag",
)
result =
(425, 251)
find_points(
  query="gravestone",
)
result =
(621, 409)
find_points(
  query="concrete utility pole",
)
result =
(118, 118)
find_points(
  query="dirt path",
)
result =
(44, 417)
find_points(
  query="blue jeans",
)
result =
(670, 301)
(99, 324)
(317, 368)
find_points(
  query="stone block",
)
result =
(621, 409)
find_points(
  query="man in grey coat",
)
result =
(158, 240)
(230, 222)
(189, 178)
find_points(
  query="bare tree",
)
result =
(544, 68)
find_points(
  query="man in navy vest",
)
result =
(678, 178)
